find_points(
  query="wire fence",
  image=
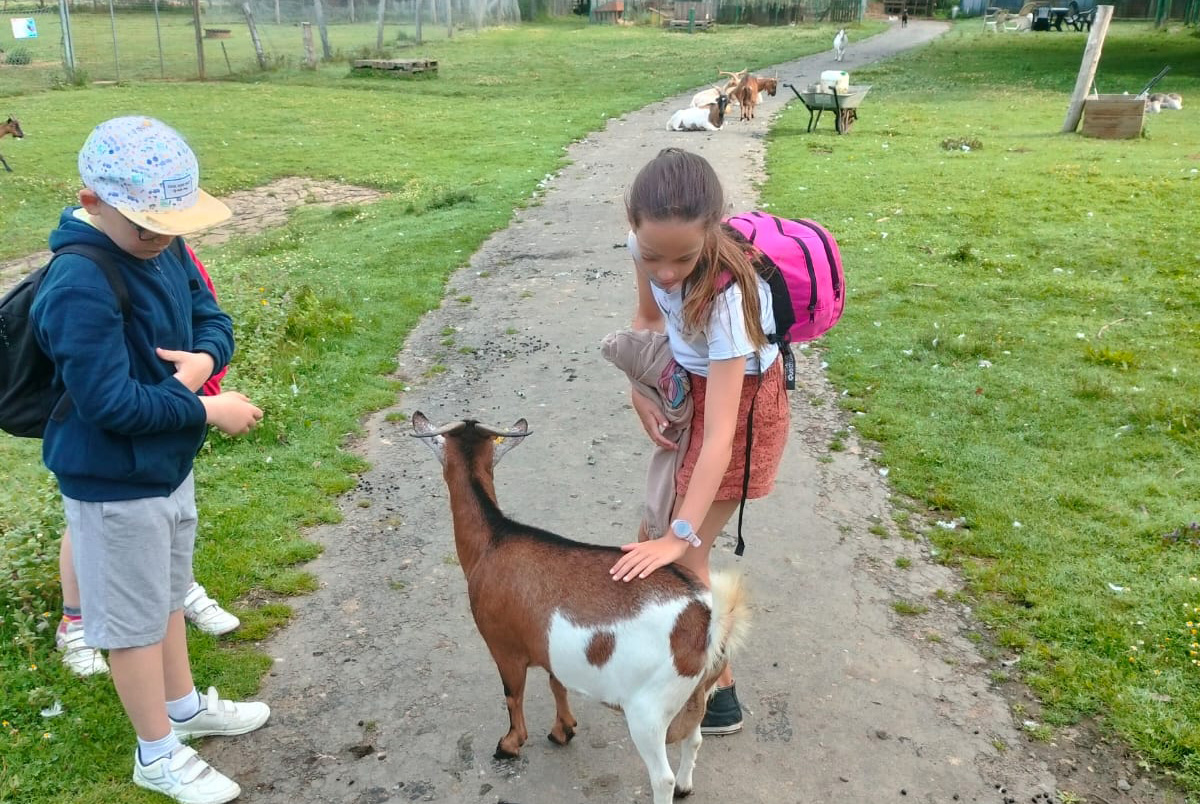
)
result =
(146, 40)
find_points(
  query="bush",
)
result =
(20, 55)
(29, 585)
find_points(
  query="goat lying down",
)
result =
(652, 648)
(1160, 100)
(709, 117)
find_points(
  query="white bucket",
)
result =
(836, 78)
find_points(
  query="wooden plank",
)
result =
(402, 65)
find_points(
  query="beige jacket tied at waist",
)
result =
(646, 357)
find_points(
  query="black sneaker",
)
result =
(723, 714)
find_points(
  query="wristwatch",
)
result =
(683, 530)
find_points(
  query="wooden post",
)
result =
(278, 20)
(352, 16)
(418, 20)
(1087, 70)
(310, 56)
(199, 38)
(449, 19)
(379, 26)
(320, 11)
(258, 48)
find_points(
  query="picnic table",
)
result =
(1047, 17)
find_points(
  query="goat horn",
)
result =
(483, 428)
(445, 428)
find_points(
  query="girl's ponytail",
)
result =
(723, 261)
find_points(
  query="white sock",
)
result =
(184, 708)
(153, 750)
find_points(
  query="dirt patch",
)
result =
(254, 210)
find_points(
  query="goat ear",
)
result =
(421, 424)
(504, 444)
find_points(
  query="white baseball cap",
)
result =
(145, 170)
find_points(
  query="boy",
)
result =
(198, 608)
(122, 445)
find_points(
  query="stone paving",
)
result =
(254, 210)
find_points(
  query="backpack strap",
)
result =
(104, 260)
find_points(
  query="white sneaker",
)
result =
(81, 658)
(221, 718)
(185, 777)
(206, 613)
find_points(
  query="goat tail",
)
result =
(730, 618)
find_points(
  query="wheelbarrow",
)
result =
(818, 98)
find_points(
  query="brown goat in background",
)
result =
(748, 90)
(11, 126)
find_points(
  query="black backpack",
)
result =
(28, 396)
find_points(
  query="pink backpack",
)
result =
(808, 289)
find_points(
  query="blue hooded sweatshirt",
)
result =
(133, 430)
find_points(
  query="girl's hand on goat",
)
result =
(652, 420)
(643, 558)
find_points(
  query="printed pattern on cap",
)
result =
(141, 164)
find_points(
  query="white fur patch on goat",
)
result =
(691, 119)
(641, 653)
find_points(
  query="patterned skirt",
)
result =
(772, 419)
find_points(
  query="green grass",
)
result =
(1089, 442)
(320, 307)
(1020, 338)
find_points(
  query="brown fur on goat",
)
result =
(653, 648)
(11, 126)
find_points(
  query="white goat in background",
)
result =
(839, 45)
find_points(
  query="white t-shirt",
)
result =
(725, 336)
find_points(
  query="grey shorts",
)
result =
(134, 562)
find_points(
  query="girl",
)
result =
(696, 282)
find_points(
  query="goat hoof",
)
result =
(567, 736)
(502, 753)
(680, 793)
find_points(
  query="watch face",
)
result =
(681, 528)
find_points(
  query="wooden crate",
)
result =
(400, 66)
(1113, 117)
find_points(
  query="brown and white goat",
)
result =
(710, 117)
(11, 126)
(652, 648)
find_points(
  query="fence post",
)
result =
(64, 14)
(112, 21)
(310, 57)
(278, 20)
(449, 19)
(418, 16)
(320, 11)
(162, 71)
(258, 49)
(199, 38)
(379, 26)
